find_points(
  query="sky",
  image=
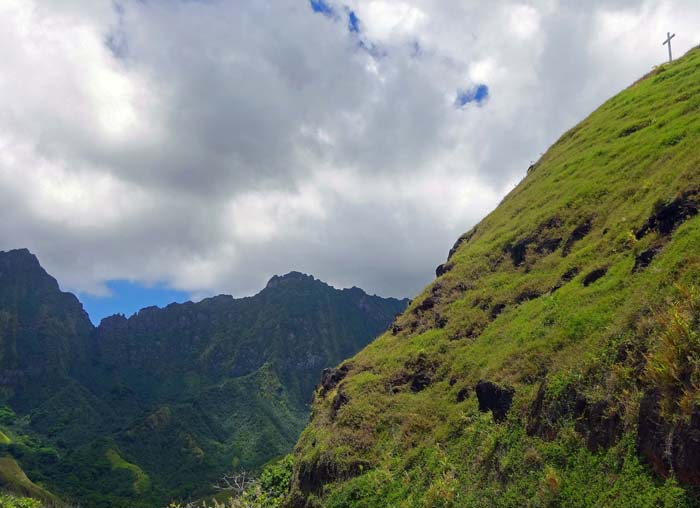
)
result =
(172, 149)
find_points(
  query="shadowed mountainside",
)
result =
(160, 404)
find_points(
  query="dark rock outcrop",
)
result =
(462, 239)
(463, 394)
(577, 234)
(567, 277)
(546, 415)
(644, 259)
(666, 217)
(340, 399)
(494, 398)
(669, 446)
(443, 269)
(598, 422)
(418, 374)
(593, 276)
(426, 304)
(601, 425)
(311, 476)
(526, 295)
(534, 419)
(331, 377)
(544, 240)
(497, 309)
(628, 131)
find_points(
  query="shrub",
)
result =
(673, 366)
(7, 416)
(268, 491)
(9, 501)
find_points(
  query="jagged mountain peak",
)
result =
(292, 278)
(20, 266)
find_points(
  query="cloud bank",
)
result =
(208, 145)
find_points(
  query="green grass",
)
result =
(425, 449)
(4, 439)
(142, 482)
(13, 479)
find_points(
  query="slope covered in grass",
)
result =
(542, 366)
(13, 479)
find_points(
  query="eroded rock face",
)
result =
(567, 277)
(426, 304)
(463, 394)
(577, 234)
(341, 398)
(546, 415)
(543, 241)
(443, 269)
(644, 259)
(462, 239)
(494, 398)
(598, 422)
(594, 276)
(666, 217)
(669, 446)
(601, 425)
(418, 374)
(331, 377)
(313, 475)
(497, 309)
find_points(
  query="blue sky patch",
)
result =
(353, 22)
(128, 298)
(477, 94)
(322, 7)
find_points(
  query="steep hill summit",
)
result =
(555, 360)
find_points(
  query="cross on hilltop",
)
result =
(668, 41)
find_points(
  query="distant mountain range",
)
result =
(156, 406)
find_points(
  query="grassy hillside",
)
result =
(13, 479)
(555, 360)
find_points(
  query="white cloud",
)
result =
(212, 144)
(385, 20)
(523, 21)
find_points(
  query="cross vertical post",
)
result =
(668, 41)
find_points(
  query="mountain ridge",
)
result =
(168, 399)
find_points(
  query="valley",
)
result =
(158, 406)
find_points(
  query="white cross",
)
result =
(668, 41)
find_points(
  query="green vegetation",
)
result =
(576, 299)
(9, 501)
(674, 364)
(268, 491)
(160, 405)
(7, 415)
(141, 480)
(13, 479)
